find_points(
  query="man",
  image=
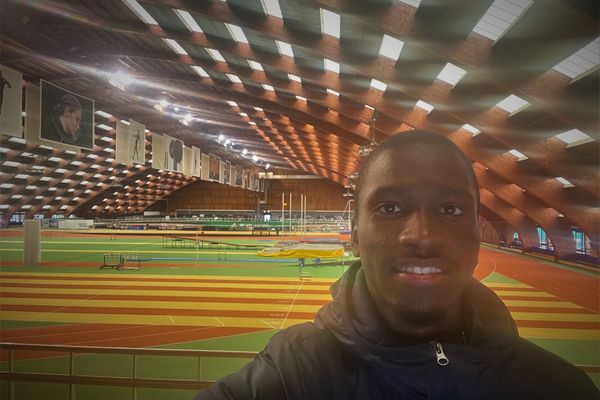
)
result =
(63, 123)
(409, 321)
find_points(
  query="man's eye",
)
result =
(452, 210)
(389, 208)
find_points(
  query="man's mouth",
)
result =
(418, 270)
(419, 274)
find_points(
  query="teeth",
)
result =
(421, 270)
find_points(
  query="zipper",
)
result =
(441, 358)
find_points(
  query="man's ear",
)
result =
(354, 239)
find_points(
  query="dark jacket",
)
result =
(348, 353)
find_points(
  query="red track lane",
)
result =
(194, 299)
(244, 314)
(581, 289)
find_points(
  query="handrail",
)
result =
(128, 350)
(133, 381)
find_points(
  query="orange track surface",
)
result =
(578, 288)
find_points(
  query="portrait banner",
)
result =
(32, 121)
(122, 154)
(159, 152)
(11, 102)
(205, 167)
(196, 162)
(66, 117)
(137, 142)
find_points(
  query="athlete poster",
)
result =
(11, 102)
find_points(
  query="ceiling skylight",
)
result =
(176, 47)
(255, 66)
(330, 23)
(188, 21)
(268, 87)
(105, 127)
(565, 183)
(391, 47)
(375, 84)
(425, 106)
(520, 156)
(285, 49)
(331, 65)
(501, 15)
(234, 78)
(271, 7)
(470, 128)
(200, 71)
(294, 78)
(333, 92)
(103, 114)
(574, 137)
(414, 3)
(451, 74)
(301, 98)
(513, 104)
(215, 55)
(140, 12)
(581, 62)
(236, 33)
(232, 103)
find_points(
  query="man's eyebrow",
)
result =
(403, 192)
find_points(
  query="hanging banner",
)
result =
(196, 162)
(159, 152)
(227, 173)
(122, 153)
(205, 167)
(66, 117)
(137, 142)
(214, 169)
(174, 151)
(32, 121)
(239, 176)
(11, 102)
(187, 161)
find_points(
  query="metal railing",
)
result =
(133, 381)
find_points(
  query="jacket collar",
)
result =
(354, 321)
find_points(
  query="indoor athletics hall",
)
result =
(177, 178)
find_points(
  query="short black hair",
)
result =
(67, 103)
(405, 139)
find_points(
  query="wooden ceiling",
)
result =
(294, 113)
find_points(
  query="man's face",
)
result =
(417, 232)
(70, 121)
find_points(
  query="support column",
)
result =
(32, 243)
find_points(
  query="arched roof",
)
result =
(307, 82)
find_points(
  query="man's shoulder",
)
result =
(551, 374)
(306, 337)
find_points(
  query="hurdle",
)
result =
(118, 261)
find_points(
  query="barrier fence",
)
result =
(134, 381)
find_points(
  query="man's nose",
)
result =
(420, 236)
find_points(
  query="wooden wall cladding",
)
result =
(321, 195)
(204, 195)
